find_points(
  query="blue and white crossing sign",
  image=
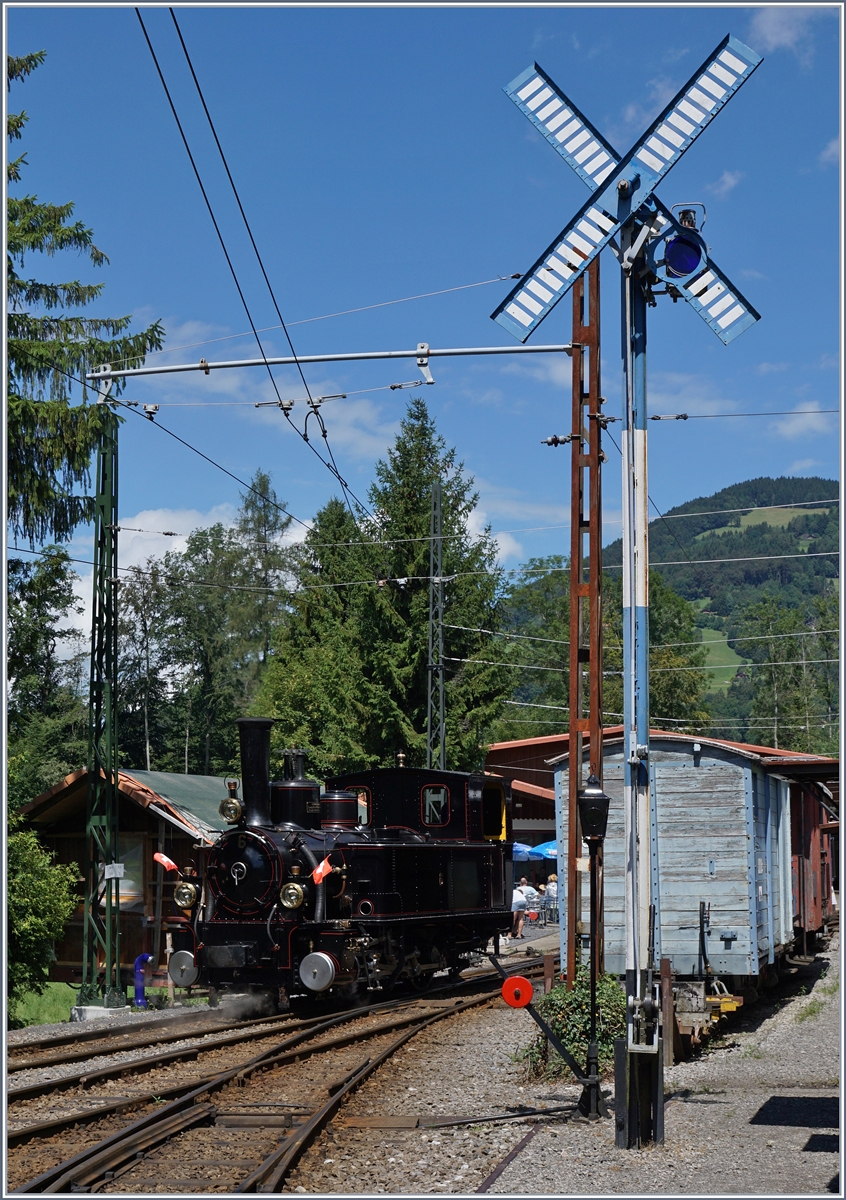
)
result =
(625, 186)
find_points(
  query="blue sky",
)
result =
(377, 157)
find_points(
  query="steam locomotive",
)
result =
(390, 875)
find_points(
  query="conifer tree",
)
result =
(349, 675)
(50, 346)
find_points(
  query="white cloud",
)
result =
(674, 392)
(785, 28)
(141, 536)
(768, 368)
(637, 116)
(672, 56)
(802, 464)
(749, 273)
(804, 423)
(831, 153)
(507, 546)
(545, 368)
(727, 182)
(828, 361)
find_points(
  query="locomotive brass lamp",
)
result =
(593, 814)
(231, 809)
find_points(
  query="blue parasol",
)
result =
(523, 853)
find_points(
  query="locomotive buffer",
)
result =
(653, 248)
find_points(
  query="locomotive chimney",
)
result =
(254, 734)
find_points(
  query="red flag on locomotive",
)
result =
(167, 863)
(320, 872)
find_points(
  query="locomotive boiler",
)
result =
(386, 877)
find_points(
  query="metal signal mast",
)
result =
(101, 920)
(655, 248)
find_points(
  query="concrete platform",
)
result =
(96, 1012)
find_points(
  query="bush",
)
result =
(41, 898)
(568, 1015)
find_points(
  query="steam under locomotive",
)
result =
(390, 875)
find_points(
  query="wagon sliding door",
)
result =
(703, 858)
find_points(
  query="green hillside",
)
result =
(700, 531)
(763, 582)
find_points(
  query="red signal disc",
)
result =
(517, 992)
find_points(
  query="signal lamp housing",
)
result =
(678, 255)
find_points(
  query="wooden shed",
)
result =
(158, 811)
(726, 820)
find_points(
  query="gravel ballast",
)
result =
(756, 1114)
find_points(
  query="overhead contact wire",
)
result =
(247, 226)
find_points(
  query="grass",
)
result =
(776, 518)
(720, 655)
(54, 1004)
(51, 1007)
(812, 1009)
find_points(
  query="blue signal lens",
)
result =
(682, 256)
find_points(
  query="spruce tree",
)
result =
(50, 348)
(349, 674)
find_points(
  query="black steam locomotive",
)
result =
(390, 875)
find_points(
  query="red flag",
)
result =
(320, 872)
(167, 863)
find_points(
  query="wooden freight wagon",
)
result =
(735, 890)
(158, 811)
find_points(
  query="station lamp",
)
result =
(593, 810)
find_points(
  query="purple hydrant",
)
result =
(140, 962)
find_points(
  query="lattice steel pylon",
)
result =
(101, 923)
(435, 729)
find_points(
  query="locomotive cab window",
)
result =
(434, 803)
(493, 813)
(363, 795)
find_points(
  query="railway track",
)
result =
(171, 1108)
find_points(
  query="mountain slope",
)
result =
(700, 531)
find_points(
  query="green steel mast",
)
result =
(101, 928)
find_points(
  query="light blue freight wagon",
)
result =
(720, 852)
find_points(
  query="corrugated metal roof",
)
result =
(188, 801)
(195, 795)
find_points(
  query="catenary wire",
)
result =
(792, 412)
(334, 466)
(485, 662)
(225, 470)
(462, 574)
(670, 720)
(218, 232)
(656, 645)
(329, 316)
(529, 529)
(131, 405)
